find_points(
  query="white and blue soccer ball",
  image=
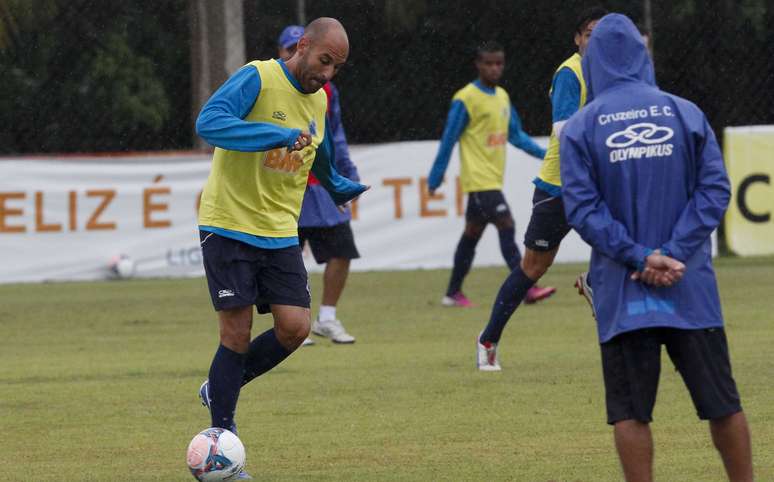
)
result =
(122, 266)
(215, 454)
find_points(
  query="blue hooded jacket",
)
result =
(641, 170)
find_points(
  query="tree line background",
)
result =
(115, 75)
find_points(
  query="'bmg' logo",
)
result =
(283, 161)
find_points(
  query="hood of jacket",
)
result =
(616, 54)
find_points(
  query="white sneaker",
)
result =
(487, 356)
(308, 342)
(332, 329)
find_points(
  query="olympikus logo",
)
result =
(652, 135)
(644, 132)
(279, 115)
(225, 293)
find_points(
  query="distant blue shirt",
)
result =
(565, 95)
(457, 120)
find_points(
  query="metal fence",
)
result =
(83, 75)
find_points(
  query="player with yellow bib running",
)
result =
(269, 127)
(548, 224)
(483, 120)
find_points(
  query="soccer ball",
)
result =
(121, 266)
(215, 454)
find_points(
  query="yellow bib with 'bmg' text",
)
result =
(260, 193)
(482, 144)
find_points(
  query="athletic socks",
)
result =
(463, 259)
(326, 313)
(225, 378)
(508, 299)
(265, 353)
(508, 247)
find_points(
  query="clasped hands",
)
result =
(660, 270)
(303, 140)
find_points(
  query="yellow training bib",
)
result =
(549, 171)
(482, 143)
(260, 193)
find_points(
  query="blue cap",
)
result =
(290, 36)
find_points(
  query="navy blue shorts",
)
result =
(330, 242)
(631, 364)
(239, 274)
(486, 207)
(548, 223)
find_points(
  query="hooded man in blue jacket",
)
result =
(644, 184)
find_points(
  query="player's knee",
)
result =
(534, 267)
(473, 231)
(293, 333)
(235, 338)
(505, 224)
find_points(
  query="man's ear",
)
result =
(577, 39)
(303, 45)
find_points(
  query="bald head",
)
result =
(329, 32)
(320, 53)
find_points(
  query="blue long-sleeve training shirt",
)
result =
(565, 95)
(641, 170)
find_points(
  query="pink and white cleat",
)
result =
(457, 300)
(537, 293)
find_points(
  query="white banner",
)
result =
(67, 219)
(399, 227)
(70, 218)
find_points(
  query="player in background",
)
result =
(547, 225)
(268, 124)
(322, 224)
(483, 119)
(582, 281)
(644, 184)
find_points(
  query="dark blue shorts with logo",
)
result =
(548, 224)
(239, 274)
(486, 207)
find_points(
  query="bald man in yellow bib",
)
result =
(268, 125)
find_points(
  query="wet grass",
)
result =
(98, 381)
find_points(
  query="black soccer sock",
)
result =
(508, 299)
(463, 259)
(508, 247)
(225, 381)
(265, 353)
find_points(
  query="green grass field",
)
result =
(98, 381)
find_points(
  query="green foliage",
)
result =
(127, 83)
(95, 76)
(98, 381)
(407, 59)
